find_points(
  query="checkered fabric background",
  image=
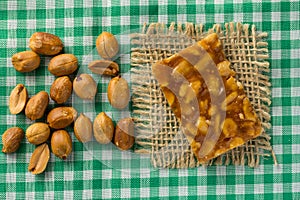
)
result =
(78, 23)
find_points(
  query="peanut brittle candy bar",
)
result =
(211, 105)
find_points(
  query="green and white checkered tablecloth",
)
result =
(78, 23)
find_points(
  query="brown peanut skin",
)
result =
(63, 64)
(107, 45)
(61, 89)
(103, 128)
(104, 67)
(45, 43)
(61, 144)
(39, 159)
(124, 134)
(11, 139)
(85, 87)
(83, 129)
(37, 105)
(61, 117)
(18, 99)
(26, 61)
(118, 92)
(37, 133)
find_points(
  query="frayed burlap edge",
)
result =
(157, 127)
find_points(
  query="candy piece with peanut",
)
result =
(202, 74)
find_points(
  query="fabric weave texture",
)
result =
(158, 130)
(78, 23)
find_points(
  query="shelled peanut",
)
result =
(84, 86)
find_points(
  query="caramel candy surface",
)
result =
(215, 113)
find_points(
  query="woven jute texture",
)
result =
(158, 130)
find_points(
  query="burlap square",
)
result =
(157, 127)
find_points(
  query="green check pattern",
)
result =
(78, 23)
